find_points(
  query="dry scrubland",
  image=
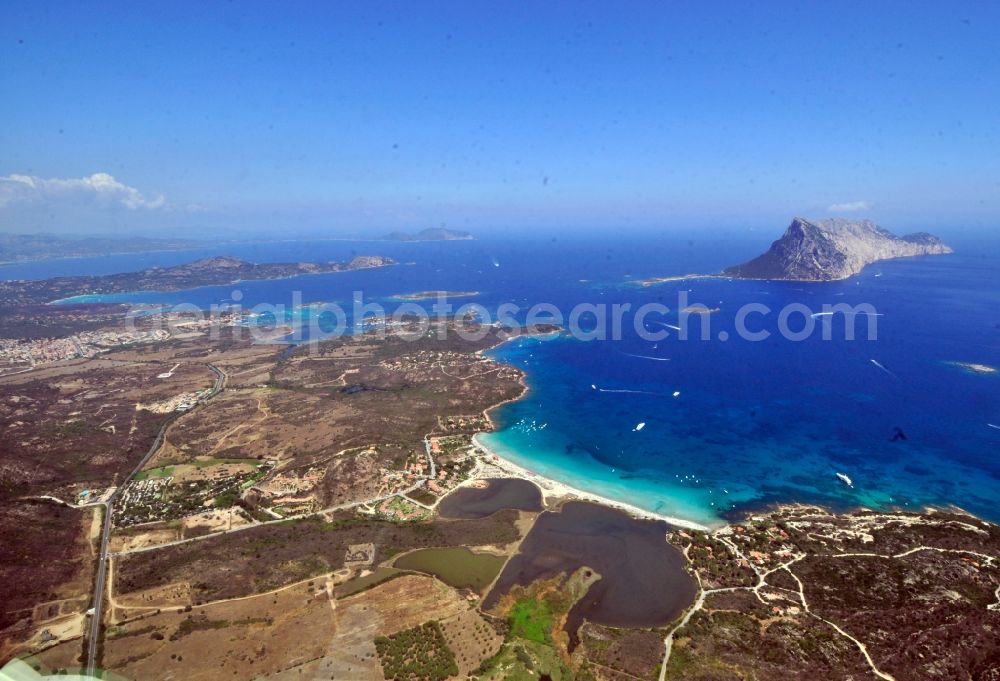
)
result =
(297, 632)
(64, 428)
(266, 557)
(797, 593)
(920, 593)
(83, 424)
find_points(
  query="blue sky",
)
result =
(339, 118)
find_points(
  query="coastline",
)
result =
(551, 487)
(227, 242)
(74, 300)
(554, 489)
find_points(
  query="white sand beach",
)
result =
(493, 465)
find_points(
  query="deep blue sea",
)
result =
(752, 422)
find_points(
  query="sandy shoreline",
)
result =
(555, 489)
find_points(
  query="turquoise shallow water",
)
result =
(762, 422)
(754, 422)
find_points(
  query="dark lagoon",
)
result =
(470, 502)
(643, 582)
(456, 566)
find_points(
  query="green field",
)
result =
(162, 472)
(531, 619)
(458, 567)
(417, 654)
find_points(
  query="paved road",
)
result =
(241, 528)
(94, 635)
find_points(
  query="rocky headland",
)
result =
(832, 249)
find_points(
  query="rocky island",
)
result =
(832, 249)
(205, 272)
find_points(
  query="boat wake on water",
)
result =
(669, 326)
(655, 359)
(882, 367)
(622, 390)
(817, 315)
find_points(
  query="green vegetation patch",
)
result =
(122, 632)
(417, 654)
(531, 619)
(226, 499)
(162, 472)
(523, 661)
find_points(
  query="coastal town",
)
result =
(17, 354)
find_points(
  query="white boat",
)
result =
(845, 479)
(639, 427)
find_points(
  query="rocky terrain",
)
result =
(205, 272)
(802, 593)
(831, 249)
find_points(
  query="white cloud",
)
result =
(850, 207)
(99, 188)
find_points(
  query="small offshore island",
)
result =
(429, 234)
(431, 295)
(653, 281)
(975, 367)
(700, 309)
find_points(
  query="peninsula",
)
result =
(832, 249)
(429, 234)
(30, 247)
(217, 271)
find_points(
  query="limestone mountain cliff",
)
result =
(831, 249)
